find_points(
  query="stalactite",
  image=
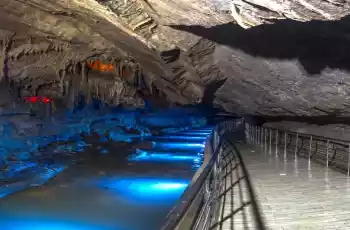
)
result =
(150, 88)
(139, 78)
(121, 66)
(2, 57)
(31, 49)
(6, 45)
(64, 73)
(70, 69)
(62, 81)
(72, 91)
(115, 65)
(74, 68)
(83, 73)
(65, 88)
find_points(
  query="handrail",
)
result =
(206, 192)
(264, 136)
(308, 135)
(180, 209)
(198, 207)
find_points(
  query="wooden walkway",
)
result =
(292, 193)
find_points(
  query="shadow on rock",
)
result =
(210, 90)
(316, 44)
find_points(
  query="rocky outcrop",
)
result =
(265, 58)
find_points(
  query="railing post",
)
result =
(285, 145)
(247, 131)
(310, 147)
(258, 136)
(265, 141)
(349, 161)
(276, 142)
(327, 151)
(215, 139)
(255, 128)
(296, 146)
(250, 134)
(262, 137)
(270, 150)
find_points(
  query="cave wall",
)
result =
(262, 58)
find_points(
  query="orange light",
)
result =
(111, 67)
(97, 65)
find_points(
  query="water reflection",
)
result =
(179, 145)
(158, 156)
(188, 138)
(48, 224)
(146, 190)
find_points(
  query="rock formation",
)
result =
(264, 58)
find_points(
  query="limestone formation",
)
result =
(257, 57)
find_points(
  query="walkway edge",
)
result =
(256, 208)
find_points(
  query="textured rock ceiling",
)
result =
(259, 57)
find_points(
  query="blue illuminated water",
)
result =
(156, 156)
(197, 133)
(145, 190)
(188, 138)
(186, 146)
(109, 190)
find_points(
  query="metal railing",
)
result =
(327, 151)
(221, 192)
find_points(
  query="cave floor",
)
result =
(113, 190)
(293, 193)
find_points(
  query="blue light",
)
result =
(104, 151)
(168, 186)
(178, 145)
(183, 137)
(154, 156)
(197, 133)
(201, 130)
(146, 189)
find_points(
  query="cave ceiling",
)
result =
(258, 57)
